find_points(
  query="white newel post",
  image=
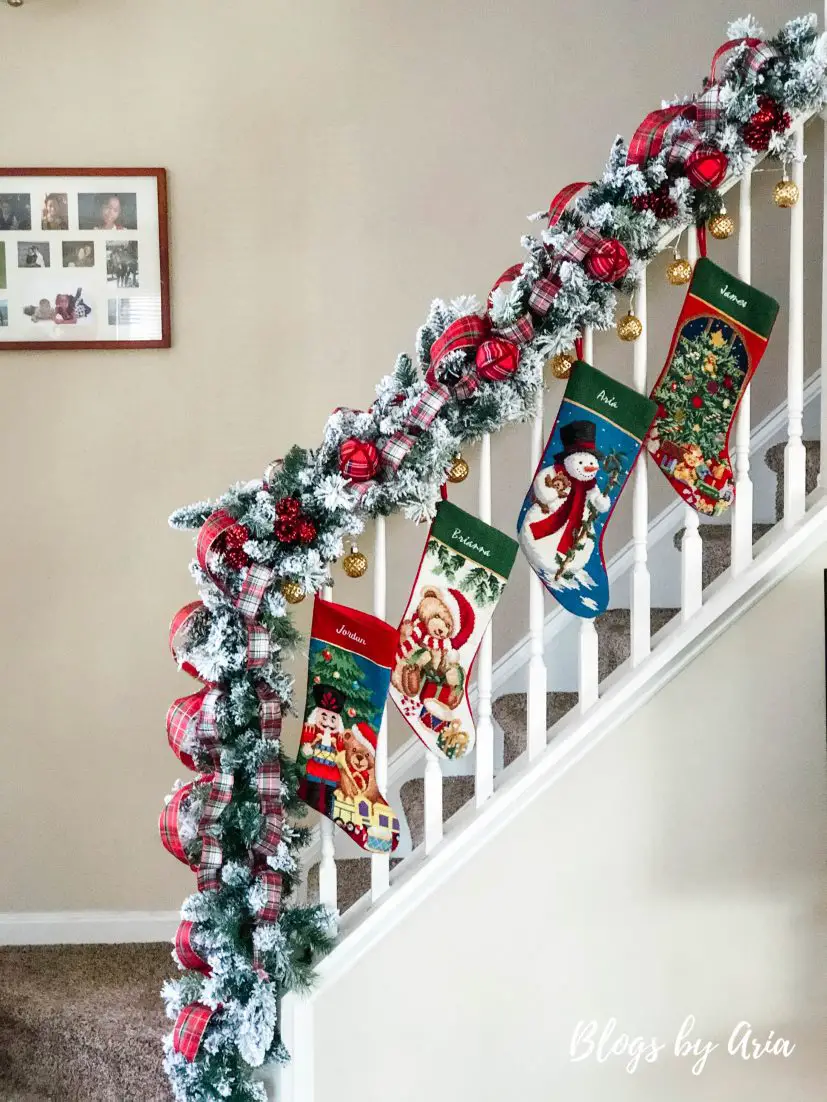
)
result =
(536, 719)
(295, 1081)
(484, 781)
(742, 509)
(692, 548)
(587, 652)
(380, 863)
(641, 584)
(795, 456)
(328, 888)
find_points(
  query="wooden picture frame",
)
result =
(84, 258)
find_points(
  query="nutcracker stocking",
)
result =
(718, 343)
(461, 576)
(349, 666)
(596, 438)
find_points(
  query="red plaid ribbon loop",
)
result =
(562, 199)
(757, 55)
(270, 882)
(169, 825)
(269, 712)
(181, 622)
(647, 140)
(190, 1026)
(185, 951)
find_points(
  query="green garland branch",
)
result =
(635, 205)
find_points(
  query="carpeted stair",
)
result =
(84, 1023)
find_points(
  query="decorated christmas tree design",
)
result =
(696, 399)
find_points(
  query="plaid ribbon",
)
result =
(705, 111)
(543, 294)
(255, 584)
(269, 909)
(179, 626)
(168, 824)
(269, 712)
(221, 787)
(562, 199)
(190, 1026)
(181, 717)
(186, 952)
(575, 249)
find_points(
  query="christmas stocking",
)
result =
(349, 667)
(461, 576)
(719, 340)
(596, 438)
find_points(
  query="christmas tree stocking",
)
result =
(596, 438)
(349, 668)
(461, 577)
(718, 343)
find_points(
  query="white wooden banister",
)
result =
(432, 801)
(484, 781)
(742, 509)
(795, 455)
(641, 583)
(380, 862)
(537, 677)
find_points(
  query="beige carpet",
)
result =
(83, 1023)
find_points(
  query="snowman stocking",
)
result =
(594, 443)
(349, 666)
(719, 340)
(461, 577)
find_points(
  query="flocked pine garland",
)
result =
(243, 1033)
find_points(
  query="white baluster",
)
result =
(742, 507)
(432, 799)
(588, 345)
(587, 681)
(692, 548)
(484, 782)
(380, 862)
(328, 886)
(537, 678)
(641, 584)
(822, 476)
(795, 454)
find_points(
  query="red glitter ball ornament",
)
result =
(729, 383)
(608, 262)
(289, 508)
(697, 401)
(286, 530)
(326, 655)
(757, 136)
(306, 530)
(706, 167)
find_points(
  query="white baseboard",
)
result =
(86, 927)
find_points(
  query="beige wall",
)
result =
(385, 151)
(678, 870)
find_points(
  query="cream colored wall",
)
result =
(677, 870)
(332, 167)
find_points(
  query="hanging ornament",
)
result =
(355, 564)
(608, 262)
(306, 530)
(721, 226)
(292, 592)
(678, 271)
(629, 327)
(561, 365)
(234, 553)
(459, 469)
(786, 193)
(286, 530)
(326, 655)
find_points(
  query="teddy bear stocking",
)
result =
(461, 576)
(718, 343)
(596, 438)
(349, 668)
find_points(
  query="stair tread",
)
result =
(511, 712)
(352, 880)
(83, 1022)
(774, 459)
(456, 792)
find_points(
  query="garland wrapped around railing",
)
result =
(268, 541)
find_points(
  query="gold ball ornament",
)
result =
(679, 271)
(292, 592)
(629, 327)
(459, 469)
(721, 226)
(561, 365)
(786, 193)
(355, 564)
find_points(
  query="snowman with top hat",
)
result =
(558, 534)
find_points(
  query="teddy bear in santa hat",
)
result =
(429, 645)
